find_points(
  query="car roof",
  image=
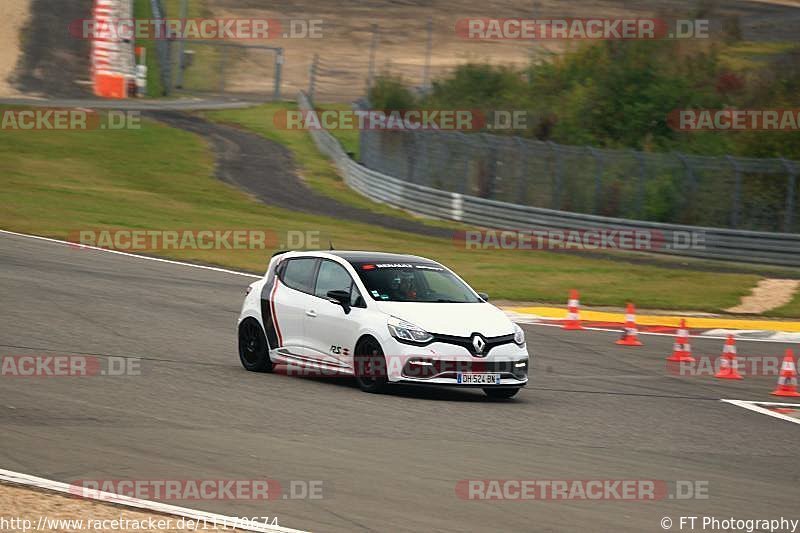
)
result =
(366, 257)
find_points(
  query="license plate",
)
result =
(478, 379)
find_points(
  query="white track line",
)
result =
(146, 257)
(756, 406)
(523, 320)
(209, 518)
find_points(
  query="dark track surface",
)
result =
(389, 462)
(266, 170)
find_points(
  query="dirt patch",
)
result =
(767, 294)
(53, 63)
(16, 16)
(67, 514)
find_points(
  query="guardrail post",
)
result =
(183, 15)
(278, 68)
(426, 72)
(312, 77)
(492, 167)
(412, 156)
(222, 60)
(522, 186)
(690, 197)
(555, 162)
(791, 187)
(372, 48)
(736, 194)
(598, 178)
(640, 187)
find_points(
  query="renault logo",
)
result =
(478, 343)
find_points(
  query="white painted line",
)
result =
(756, 406)
(145, 257)
(209, 518)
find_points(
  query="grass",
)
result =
(53, 183)
(746, 55)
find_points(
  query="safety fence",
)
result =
(724, 244)
(113, 63)
(723, 192)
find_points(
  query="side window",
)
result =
(356, 300)
(299, 274)
(332, 277)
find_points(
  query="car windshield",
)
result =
(414, 282)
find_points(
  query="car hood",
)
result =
(452, 319)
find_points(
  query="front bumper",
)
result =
(442, 363)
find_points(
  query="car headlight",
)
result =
(519, 335)
(407, 332)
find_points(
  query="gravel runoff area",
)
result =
(768, 294)
(24, 507)
(16, 16)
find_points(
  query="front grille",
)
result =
(466, 342)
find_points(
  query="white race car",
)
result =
(383, 318)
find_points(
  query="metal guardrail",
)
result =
(724, 244)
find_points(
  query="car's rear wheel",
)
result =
(500, 394)
(253, 348)
(370, 366)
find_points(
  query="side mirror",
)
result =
(340, 298)
(483, 296)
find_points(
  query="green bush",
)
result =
(390, 92)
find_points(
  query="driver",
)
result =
(404, 285)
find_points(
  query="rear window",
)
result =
(299, 274)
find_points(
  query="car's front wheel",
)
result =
(500, 394)
(370, 366)
(253, 348)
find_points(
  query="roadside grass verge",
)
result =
(53, 183)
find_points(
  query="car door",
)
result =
(333, 332)
(293, 297)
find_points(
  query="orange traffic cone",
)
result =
(573, 321)
(630, 335)
(682, 350)
(787, 379)
(727, 363)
